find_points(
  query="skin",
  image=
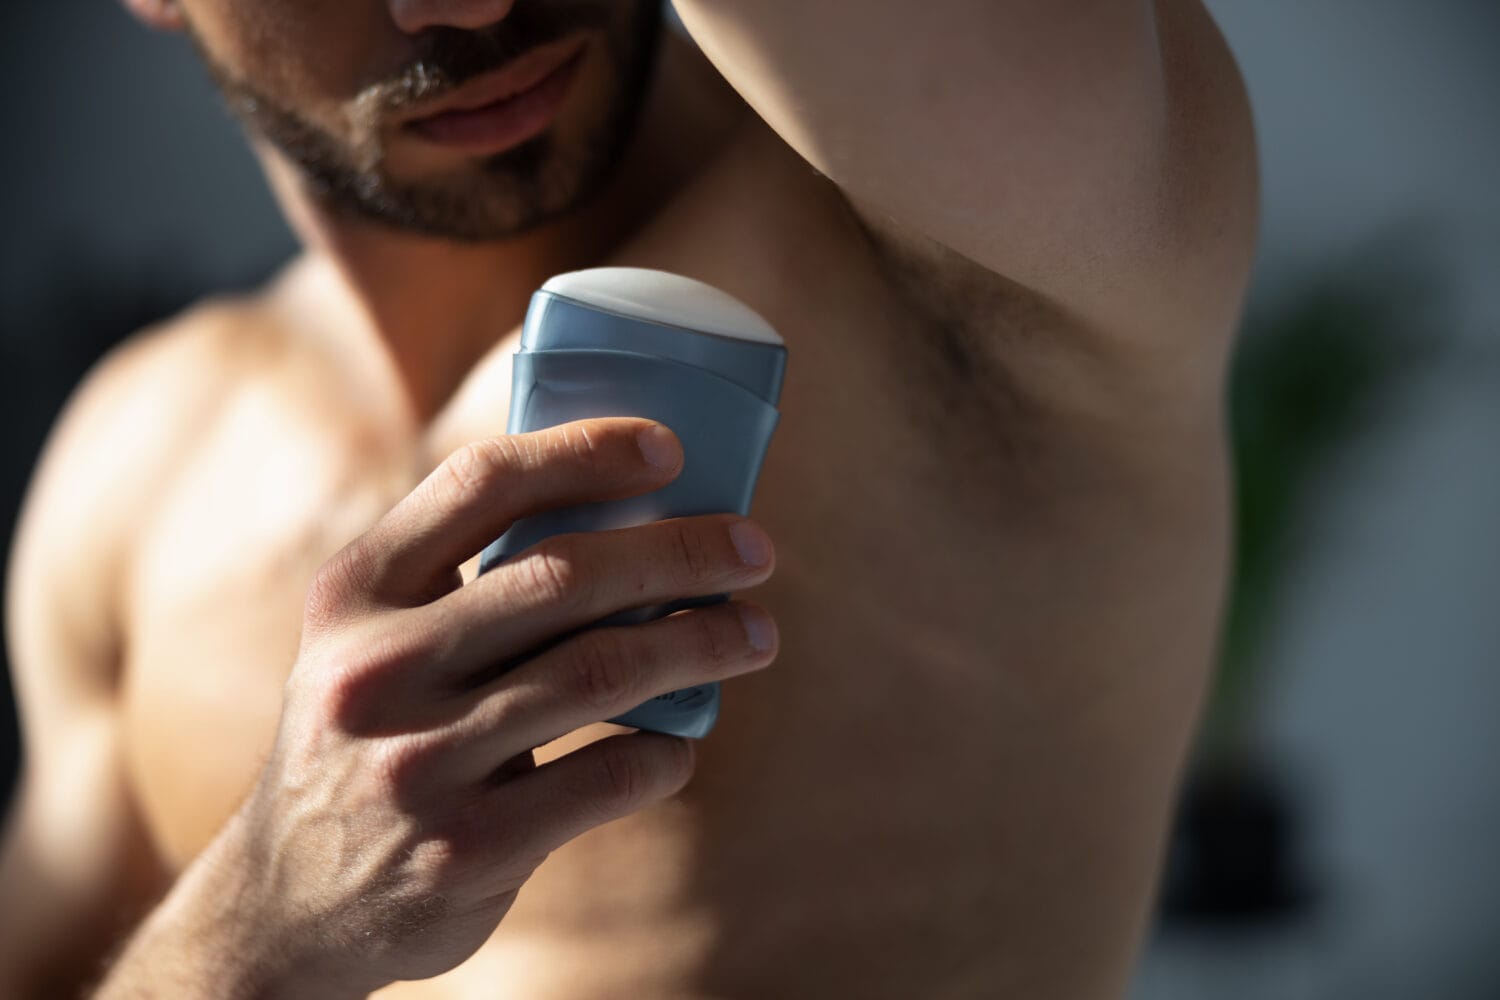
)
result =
(264, 755)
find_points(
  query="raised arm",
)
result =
(1097, 152)
(1066, 190)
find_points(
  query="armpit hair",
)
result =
(981, 333)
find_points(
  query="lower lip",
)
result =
(506, 123)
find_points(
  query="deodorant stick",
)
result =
(630, 342)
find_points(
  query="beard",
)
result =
(496, 197)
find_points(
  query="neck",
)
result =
(424, 310)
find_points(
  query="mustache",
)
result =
(447, 58)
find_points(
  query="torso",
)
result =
(849, 831)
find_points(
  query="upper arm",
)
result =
(77, 867)
(1097, 153)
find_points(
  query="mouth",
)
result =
(501, 109)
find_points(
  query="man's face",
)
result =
(401, 115)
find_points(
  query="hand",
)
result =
(401, 810)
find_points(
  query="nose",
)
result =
(412, 16)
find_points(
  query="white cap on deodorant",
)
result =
(662, 297)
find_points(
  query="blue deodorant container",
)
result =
(630, 342)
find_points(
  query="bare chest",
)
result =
(875, 599)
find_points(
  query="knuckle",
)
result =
(495, 712)
(390, 652)
(474, 469)
(605, 672)
(338, 695)
(350, 685)
(621, 778)
(404, 766)
(692, 556)
(443, 860)
(330, 597)
(550, 576)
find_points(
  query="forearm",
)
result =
(1099, 153)
(209, 939)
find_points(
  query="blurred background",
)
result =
(1340, 833)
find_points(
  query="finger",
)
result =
(604, 672)
(539, 811)
(482, 488)
(568, 581)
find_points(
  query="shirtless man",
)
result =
(1006, 242)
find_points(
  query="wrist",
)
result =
(217, 935)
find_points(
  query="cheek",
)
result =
(315, 54)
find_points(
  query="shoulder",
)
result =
(139, 409)
(125, 431)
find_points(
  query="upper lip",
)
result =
(515, 77)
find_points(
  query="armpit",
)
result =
(988, 350)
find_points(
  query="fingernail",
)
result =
(759, 627)
(751, 543)
(659, 447)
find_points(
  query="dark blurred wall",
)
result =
(125, 193)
